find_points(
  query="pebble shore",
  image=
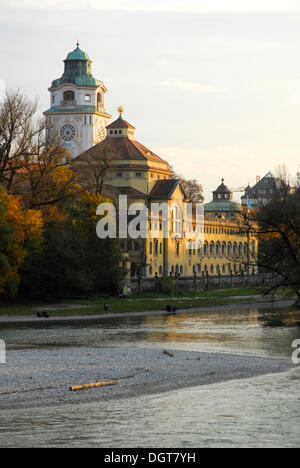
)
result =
(37, 378)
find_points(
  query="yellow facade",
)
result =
(227, 246)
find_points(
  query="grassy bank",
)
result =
(145, 302)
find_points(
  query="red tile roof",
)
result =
(124, 149)
(120, 123)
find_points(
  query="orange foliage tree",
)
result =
(25, 229)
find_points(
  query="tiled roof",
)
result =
(124, 149)
(164, 188)
(130, 192)
(120, 123)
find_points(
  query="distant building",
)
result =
(262, 192)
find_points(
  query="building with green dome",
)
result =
(77, 104)
(222, 205)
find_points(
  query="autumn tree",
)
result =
(21, 233)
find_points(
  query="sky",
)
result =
(212, 86)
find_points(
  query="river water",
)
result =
(257, 412)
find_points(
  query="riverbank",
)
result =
(140, 303)
(38, 378)
(55, 317)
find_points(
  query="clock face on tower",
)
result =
(67, 132)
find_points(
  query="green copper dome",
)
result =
(223, 205)
(78, 54)
(78, 70)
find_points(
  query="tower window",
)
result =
(111, 132)
(87, 98)
(69, 96)
(53, 99)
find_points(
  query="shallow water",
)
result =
(257, 412)
(238, 331)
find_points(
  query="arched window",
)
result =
(99, 97)
(212, 248)
(181, 270)
(69, 97)
(177, 269)
(235, 249)
(212, 270)
(224, 269)
(160, 271)
(240, 249)
(218, 248)
(245, 249)
(205, 248)
(150, 271)
(224, 248)
(199, 248)
(229, 249)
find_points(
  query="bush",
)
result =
(166, 286)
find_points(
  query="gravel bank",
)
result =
(35, 378)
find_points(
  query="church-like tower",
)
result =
(77, 111)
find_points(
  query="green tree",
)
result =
(73, 260)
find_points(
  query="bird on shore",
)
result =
(106, 306)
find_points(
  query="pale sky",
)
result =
(213, 86)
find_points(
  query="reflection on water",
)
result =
(259, 412)
(238, 331)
